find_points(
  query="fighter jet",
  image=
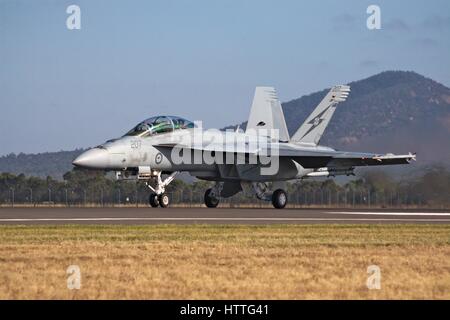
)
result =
(258, 162)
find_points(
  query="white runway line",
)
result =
(215, 219)
(375, 213)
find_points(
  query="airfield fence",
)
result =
(189, 198)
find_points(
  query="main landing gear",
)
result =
(278, 198)
(211, 201)
(158, 197)
(212, 195)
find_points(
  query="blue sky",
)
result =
(62, 89)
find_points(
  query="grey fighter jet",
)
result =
(258, 161)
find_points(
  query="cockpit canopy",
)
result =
(158, 125)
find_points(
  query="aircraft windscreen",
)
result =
(180, 123)
(139, 130)
(158, 125)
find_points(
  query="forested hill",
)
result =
(53, 164)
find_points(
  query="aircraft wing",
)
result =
(341, 159)
(362, 159)
(311, 159)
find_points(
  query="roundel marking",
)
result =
(158, 158)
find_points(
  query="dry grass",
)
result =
(234, 262)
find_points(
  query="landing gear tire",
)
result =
(153, 200)
(210, 201)
(163, 200)
(279, 199)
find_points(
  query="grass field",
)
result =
(220, 262)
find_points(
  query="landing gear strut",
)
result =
(261, 190)
(158, 196)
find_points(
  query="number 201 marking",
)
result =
(135, 144)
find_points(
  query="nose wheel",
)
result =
(153, 200)
(163, 200)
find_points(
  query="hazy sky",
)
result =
(61, 89)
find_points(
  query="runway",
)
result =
(135, 216)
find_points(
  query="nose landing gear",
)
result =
(158, 197)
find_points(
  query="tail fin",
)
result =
(266, 113)
(312, 129)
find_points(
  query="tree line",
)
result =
(431, 188)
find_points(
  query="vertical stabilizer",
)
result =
(266, 113)
(312, 129)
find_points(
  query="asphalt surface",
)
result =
(133, 216)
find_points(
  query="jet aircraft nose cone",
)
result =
(94, 158)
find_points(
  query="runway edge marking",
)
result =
(376, 213)
(218, 219)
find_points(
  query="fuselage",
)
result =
(210, 151)
(237, 161)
